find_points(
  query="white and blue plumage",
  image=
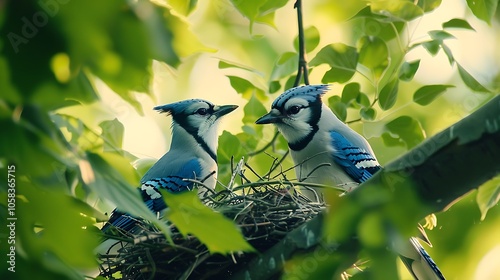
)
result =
(326, 151)
(192, 156)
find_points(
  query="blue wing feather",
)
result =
(358, 163)
(152, 196)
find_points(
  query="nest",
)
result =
(264, 212)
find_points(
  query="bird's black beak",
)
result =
(220, 111)
(272, 117)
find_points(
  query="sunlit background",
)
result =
(460, 233)
(465, 246)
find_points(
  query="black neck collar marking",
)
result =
(315, 116)
(194, 132)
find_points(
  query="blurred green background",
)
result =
(78, 80)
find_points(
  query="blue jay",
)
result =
(327, 151)
(192, 155)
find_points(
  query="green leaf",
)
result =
(432, 46)
(426, 94)
(429, 5)
(184, 41)
(388, 94)
(338, 107)
(483, 9)
(183, 6)
(230, 147)
(488, 195)
(368, 113)
(371, 231)
(373, 24)
(408, 130)
(51, 222)
(391, 141)
(233, 146)
(213, 229)
(246, 88)
(7, 88)
(253, 110)
(397, 10)
(363, 100)
(274, 86)
(112, 133)
(448, 53)
(373, 53)
(286, 65)
(239, 84)
(350, 92)
(122, 165)
(249, 9)
(224, 64)
(259, 10)
(311, 39)
(341, 58)
(290, 82)
(470, 81)
(457, 23)
(27, 141)
(109, 184)
(384, 30)
(408, 70)
(124, 66)
(440, 35)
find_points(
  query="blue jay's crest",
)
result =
(180, 107)
(198, 118)
(296, 113)
(309, 93)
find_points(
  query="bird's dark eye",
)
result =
(202, 111)
(293, 110)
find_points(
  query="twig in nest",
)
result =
(265, 211)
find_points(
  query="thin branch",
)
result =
(265, 146)
(353, 121)
(302, 69)
(277, 164)
(254, 172)
(289, 183)
(299, 164)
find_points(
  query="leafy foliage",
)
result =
(408, 130)
(483, 9)
(188, 213)
(341, 58)
(61, 58)
(488, 196)
(427, 94)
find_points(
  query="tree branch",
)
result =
(440, 170)
(302, 68)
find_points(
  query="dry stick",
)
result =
(152, 262)
(268, 174)
(300, 163)
(281, 182)
(254, 172)
(197, 262)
